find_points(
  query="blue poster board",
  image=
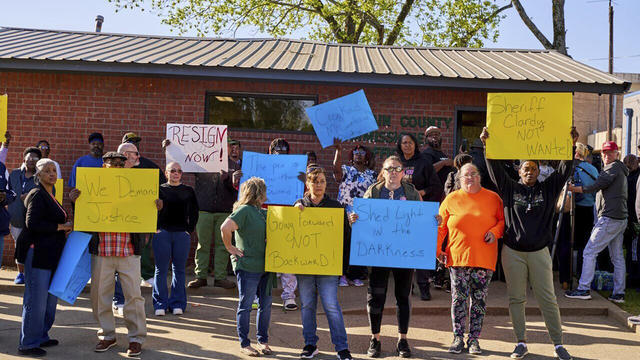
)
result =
(74, 268)
(280, 174)
(394, 233)
(345, 118)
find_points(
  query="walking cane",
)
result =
(555, 238)
(572, 216)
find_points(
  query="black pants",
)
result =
(377, 294)
(583, 227)
(563, 249)
(632, 257)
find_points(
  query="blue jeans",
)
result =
(606, 232)
(170, 247)
(310, 286)
(38, 306)
(250, 285)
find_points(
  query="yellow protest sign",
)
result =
(59, 190)
(529, 126)
(4, 104)
(116, 200)
(304, 242)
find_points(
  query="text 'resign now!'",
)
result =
(304, 242)
(198, 147)
(533, 126)
(116, 200)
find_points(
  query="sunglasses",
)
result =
(359, 152)
(393, 169)
(173, 171)
(281, 149)
(43, 147)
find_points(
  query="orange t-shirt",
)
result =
(467, 218)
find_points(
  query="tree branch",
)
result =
(534, 29)
(399, 23)
(481, 23)
(330, 19)
(559, 31)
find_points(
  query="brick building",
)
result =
(63, 85)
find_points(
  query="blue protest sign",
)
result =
(345, 118)
(394, 233)
(74, 268)
(280, 173)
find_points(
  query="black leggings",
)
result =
(377, 294)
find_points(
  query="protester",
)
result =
(389, 186)
(472, 221)
(453, 179)
(326, 286)
(354, 179)
(312, 158)
(21, 181)
(477, 153)
(111, 253)
(5, 196)
(143, 162)
(40, 248)
(248, 221)
(611, 203)
(176, 221)
(216, 193)
(529, 209)
(93, 159)
(433, 152)
(45, 148)
(630, 242)
(545, 170)
(420, 172)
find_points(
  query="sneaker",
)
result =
(104, 345)
(19, 280)
(309, 351)
(160, 312)
(457, 345)
(425, 293)
(474, 347)
(634, 320)
(135, 348)
(578, 294)
(197, 283)
(343, 281)
(358, 282)
(344, 355)
(617, 298)
(177, 311)
(519, 352)
(403, 348)
(36, 352)
(224, 283)
(118, 309)
(562, 353)
(290, 305)
(374, 348)
(255, 304)
(50, 343)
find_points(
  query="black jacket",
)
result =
(529, 210)
(214, 193)
(41, 230)
(423, 176)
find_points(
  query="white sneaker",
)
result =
(634, 319)
(290, 305)
(177, 311)
(147, 283)
(159, 312)
(118, 309)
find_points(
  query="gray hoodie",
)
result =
(611, 185)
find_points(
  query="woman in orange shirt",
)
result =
(472, 219)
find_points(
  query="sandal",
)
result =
(249, 351)
(265, 349)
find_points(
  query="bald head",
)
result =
(131, 151)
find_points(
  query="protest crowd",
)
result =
(496, 221)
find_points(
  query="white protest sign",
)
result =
(198, 147)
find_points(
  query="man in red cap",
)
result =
(611, 203)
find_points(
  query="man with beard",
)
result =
(93, 159)
(441, 162)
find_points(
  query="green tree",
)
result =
(455, 23)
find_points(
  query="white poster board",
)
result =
(198, 147)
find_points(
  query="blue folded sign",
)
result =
(74, 268)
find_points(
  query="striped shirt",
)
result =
(115, 244)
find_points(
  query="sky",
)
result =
(586, 22)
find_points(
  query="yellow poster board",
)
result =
(59, 190)
(116, 200)
(4, 104)
(533, 126)
(304, 242)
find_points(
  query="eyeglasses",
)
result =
(471, 175)
(359, 152)
(173, 171)
(119, 163)
(280, 149)
(132, 152)
(393, 169)
(43, 147)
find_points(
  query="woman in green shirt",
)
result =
(247, 258)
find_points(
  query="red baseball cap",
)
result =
(609, 145)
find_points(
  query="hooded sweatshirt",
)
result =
(611, 185)
(529, 210)
(420, 172)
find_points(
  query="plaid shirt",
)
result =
(115, 244)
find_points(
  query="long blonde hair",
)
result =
(251, 191)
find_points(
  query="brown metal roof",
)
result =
(281, 59)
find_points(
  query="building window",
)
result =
(259, 112)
